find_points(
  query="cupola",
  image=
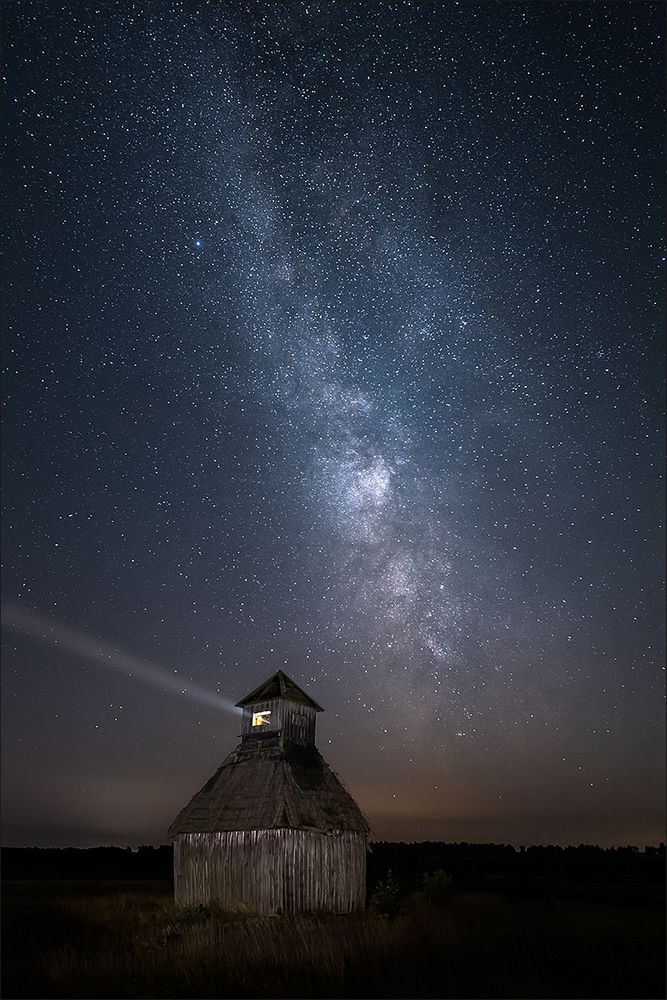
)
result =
(281, 710)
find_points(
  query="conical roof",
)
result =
(271, 787)
(279, 686)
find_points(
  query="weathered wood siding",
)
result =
(299, 723)
(272, 871)
(295, 721)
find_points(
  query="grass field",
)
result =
(111, 939)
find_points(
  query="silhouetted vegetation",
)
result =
(445, 920)
(120, 940)
(437, 887)
(144, 862)
(386, 896)
(468, 863)
(465, 862)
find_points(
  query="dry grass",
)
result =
(128, 940)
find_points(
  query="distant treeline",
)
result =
(144, 862)
(466, 863)
(470, 863)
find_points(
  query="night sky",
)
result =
(333, 344)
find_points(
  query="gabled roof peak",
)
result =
(279, 685)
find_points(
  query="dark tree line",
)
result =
(144, 862)
(467, 863)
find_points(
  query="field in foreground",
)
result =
(111, 939)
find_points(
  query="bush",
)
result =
(191, 914)
(386, 896)
(80, 940)
(437, 886)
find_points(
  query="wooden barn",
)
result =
(274, 830)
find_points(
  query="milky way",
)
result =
(333, 344)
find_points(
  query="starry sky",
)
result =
(333, 344)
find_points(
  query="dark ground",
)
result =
(511, 924)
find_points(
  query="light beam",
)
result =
(42, 627)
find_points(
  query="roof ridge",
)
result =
(286, 688)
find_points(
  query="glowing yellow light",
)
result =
(260, 718)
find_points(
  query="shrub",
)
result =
(191, 914)
(437, 886)
(386, 896)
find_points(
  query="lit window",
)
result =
(260, 718)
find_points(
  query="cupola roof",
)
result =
(279, 685)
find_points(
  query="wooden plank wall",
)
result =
(272, 871)
(299, 723)
(296, 721)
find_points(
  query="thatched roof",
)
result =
(262, 786)
(279, 686)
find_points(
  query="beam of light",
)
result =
(42, 627)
